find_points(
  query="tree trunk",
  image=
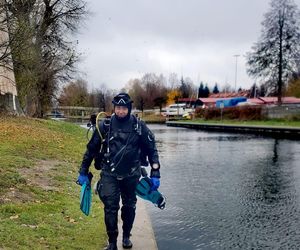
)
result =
(281, 22)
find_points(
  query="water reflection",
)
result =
(269, 207)
(275, 157)
(227, 191)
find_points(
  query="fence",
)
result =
(77, 112)
(283, 111)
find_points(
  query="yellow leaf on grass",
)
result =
(14, 217)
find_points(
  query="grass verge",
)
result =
(39, 200)
(152, 118)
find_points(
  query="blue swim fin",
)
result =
(143, 190)
(86, 196)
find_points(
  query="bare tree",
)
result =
(275, 56)
(227, 88)
(137, 93)
(187, 88)
(75, 94)
(173, 81)
(42, 51)
(149, 91)
(101, 98)
(5, 55)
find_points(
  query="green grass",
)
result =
(39, 200)
(271, 122)
(152, 118)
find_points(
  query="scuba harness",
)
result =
(104, 132)
(94, 124)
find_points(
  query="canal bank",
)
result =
(142, 232)
(273, 131)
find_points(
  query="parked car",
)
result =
(177, 109)
(188, 115)
(55, 114)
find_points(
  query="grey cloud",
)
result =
(126, 38)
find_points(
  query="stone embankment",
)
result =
(274, 131)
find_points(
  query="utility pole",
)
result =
(236, 58)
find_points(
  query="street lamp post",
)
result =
(235, 79)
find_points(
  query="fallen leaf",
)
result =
(32, 226)
(14, 217)
(72, 220)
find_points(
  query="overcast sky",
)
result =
(123, 39)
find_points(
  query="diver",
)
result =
(118, 146)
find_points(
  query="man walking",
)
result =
(119, 147)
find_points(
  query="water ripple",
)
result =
(227, 191)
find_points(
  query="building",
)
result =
(211, 101)
(8, 89)
(274, 100)
(190, 102)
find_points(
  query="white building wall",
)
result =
(7, 77)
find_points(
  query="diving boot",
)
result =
(126, 243)
(112, 246)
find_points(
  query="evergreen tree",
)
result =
(274, 57)
(216, 90)
(201, 90)
(206, 91)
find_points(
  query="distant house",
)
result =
(274, 100)
(211, 101)
(191, 102)
(8, 92)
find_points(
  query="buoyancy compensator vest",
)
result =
(120, 150)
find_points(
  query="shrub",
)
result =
(232, 113)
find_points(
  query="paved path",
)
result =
(142, 233)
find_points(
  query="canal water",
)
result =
(227, 191)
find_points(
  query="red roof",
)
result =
(259, 100)
(284, 100)
(211, 100)
(256, 101)
(243, 93)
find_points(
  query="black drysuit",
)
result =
(125, 144)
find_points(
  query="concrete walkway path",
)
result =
(142, 233)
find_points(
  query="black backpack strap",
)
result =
(104, 126)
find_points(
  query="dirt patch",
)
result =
(41, 175)
(15, 195)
